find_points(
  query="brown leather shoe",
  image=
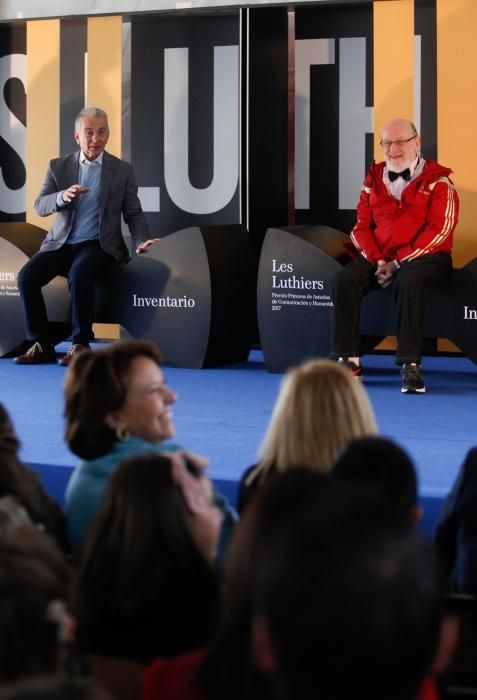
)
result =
(74, 350)
(38, 354)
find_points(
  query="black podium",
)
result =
(451, 312)
(192, 293)
(18, 242)
(297, 265)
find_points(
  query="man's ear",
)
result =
(261, 644)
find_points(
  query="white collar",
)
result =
(85, 161)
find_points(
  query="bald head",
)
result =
(401, 144)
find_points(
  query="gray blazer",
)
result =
(118, 196)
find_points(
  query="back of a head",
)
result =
(141, 566)
(281, 498)
(34, 585)
(383, 465)
(142, 520)
(320, 408)
(9, 442)
(349, 604)
(11, 482)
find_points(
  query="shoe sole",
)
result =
(413, 391)
(36, 362)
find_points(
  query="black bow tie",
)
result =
(406, 175)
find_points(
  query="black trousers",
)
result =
(409, 287)
(82, 264)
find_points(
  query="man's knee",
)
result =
(25, 277)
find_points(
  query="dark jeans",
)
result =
(82, 264)
(409, 287)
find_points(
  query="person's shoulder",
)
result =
(64, 160)
(115, 162)
(434, 171)
(375, 172)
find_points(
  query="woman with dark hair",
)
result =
(117, 405)
(22, 497)
(290, 506)
(226, 669)
(147, 586)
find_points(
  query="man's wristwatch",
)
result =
(397, 265)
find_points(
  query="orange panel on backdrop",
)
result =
(457, 113)
(393, 29)
(103, 86)
(43, 108)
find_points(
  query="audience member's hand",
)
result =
(196, 492)
(198, 461)
(385, 272)
(72, 192)
(141, 248)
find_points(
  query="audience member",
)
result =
(35, 626)
(117, 405)
(22, 497)
(351, 608)
(147, 585)
(456, 531)
(303, 506)
(319, 409)
(386, 467)
(225, 670)
(407, 212)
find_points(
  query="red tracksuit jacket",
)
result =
(420, 224)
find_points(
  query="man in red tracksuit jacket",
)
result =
(406, 217)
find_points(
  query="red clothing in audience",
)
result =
(428, 690)
(173, 679)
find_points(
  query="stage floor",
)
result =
(222, 413)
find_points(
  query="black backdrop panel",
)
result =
(332, 23)
(13, 170)
(268, 125)
(150, 38)
(425, 26)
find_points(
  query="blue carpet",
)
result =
(222, 413)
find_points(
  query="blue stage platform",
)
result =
(222, 413)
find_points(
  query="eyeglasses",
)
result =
(398, 142)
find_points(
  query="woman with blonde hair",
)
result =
(319, 410)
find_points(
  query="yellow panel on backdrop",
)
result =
(43, 107)
(393, 31)
(457, 113)
(103, 83)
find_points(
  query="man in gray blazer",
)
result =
(88, 191)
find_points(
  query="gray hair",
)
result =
(90, 112)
